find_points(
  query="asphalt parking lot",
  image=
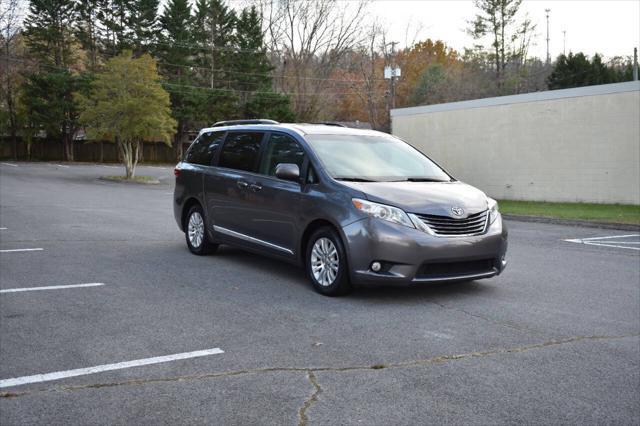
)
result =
(555, 339)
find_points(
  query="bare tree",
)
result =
(310, 38)
(497, 20)
(10, 18)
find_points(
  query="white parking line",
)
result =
(62, 165)
(3, 229)
(50, 287)
(608, 241)
(26, 249)
(9, 164)
(610, 237)
(38, 378)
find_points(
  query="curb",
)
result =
(129, 182)
(571, 222)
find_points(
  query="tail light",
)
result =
(176, 171)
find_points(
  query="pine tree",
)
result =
(214, 35)
(144, 25)
(252, 70)
(48, 31)
(49, 93)
(87, 31)
(176, 62)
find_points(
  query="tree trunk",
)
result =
(101, 152)
(67, 142)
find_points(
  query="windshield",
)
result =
(374, 158)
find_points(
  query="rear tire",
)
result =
(195, 231)
(326, 263)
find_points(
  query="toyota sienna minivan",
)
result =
(351, 206)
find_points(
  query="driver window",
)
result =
(281, 148)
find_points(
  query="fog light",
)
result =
(376, 266)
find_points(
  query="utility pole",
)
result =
(548, 54)
(635, 64)
(393, 74)
(564, 42)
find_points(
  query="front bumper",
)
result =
(410, 256)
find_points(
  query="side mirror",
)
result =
(288, 171)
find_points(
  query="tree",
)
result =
(127, 105)
(213, 33)
(50, 105)
(144, 25)
(252, 70)
(510, 38)
(310, 38)
(50, 39)
(575, 70)
(10, 70)
(48, 32)
(173, 51)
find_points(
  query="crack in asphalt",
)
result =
(302, 414)
(487, 319)
(311, 371)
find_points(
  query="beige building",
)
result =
(576, 145)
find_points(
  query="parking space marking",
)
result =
(25, 249)
(62, 165)
(58, 375)
(3, 229)
(608, 241)
(9, 164)
(50, 287)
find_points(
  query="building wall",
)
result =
(576, 145)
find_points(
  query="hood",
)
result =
(436, 198)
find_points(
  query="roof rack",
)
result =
(330, 123)
(241, 122)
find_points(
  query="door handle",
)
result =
(242, 184)
(255, 187)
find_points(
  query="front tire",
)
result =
(195, 231)
(326, 263)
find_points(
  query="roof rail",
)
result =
(241, 122)
(330, 123)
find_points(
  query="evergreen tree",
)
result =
(48, 94)
(176, 62)
(575, 70)
(50, 105)
(48, 31)
(251, 62)
(253, 72)
(87, 31)
(214, 35)
(144, 25)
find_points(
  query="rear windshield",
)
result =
(374, 158)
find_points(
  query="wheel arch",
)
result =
(310, 229)
(186, 207)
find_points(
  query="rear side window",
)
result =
(240, 151)
(281, 149)
(204, 148)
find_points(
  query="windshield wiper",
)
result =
(421, 179)
(354, 179)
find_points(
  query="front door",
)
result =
(275, 203)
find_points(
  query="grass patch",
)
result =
(139, 179)
(613, 213)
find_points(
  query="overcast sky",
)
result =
(604, 26)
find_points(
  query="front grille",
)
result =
(443, 225)
(455, 269)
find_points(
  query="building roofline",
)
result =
(602, 89)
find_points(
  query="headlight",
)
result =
(384, 212)
(493, 210)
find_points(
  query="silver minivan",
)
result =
(351, 206)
